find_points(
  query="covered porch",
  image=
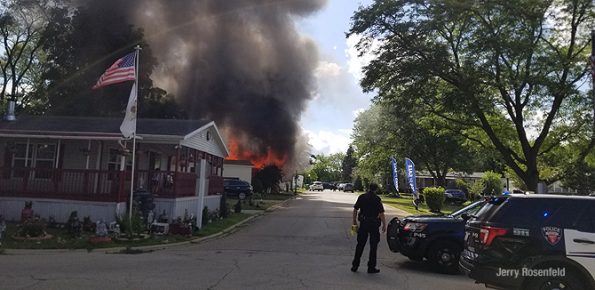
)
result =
(74, 167)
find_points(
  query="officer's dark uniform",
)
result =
(369, 206)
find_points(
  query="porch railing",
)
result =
(92, 185)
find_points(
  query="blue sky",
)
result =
(328, 119)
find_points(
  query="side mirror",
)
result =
(465, 216)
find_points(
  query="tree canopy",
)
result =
(22, 34)
(53, 53)
(488, 70)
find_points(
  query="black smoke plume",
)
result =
(241, 63)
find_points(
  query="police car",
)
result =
(536, 241)
(435, 238)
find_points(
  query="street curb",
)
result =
(151, 248)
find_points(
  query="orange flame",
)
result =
(236, 152)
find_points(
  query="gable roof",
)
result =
(95, 126)
(190, 133)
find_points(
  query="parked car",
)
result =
(437, 239)
(455, 195)
(317, 185)
(340, 186)
(348, 187)
(234, 187)
(534, 241)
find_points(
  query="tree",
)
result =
(349, 162)
(22, 33)
(492, 183)
(485, 66)
(82, 46)
(327, 168)
(269, 177)
(358, 184)
(374, 145)
(386, 131)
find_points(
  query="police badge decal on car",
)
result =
(551, 234)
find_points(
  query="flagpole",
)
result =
(137, 48)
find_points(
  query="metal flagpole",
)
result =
(137, 48)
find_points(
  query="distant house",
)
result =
(425, 179)
(241, 169)
(75, 163)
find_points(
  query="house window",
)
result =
(44, 161)
(41, 156)
(114, 161)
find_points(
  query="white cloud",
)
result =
(355, 62)
(326, 142)
(327, 69)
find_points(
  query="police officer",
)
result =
(369, 211)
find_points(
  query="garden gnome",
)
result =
(100, 228)
(117, 231)
(27, 211)
(2, 228)
(150, 218)
(74, 225)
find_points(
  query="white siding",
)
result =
(11, 208)
(244, 172)
(177, 207)
(212, 146)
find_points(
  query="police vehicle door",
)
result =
(580, 242)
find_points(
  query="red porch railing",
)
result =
(215, 185)
(92, 185)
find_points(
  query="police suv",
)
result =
(536, 241)
(435, 238)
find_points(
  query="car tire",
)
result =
(571, 281)
(444, 257)
(392, 235)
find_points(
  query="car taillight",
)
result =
(487, 234)
(415, 227)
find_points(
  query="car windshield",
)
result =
(470, 209)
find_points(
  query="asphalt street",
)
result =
(303, 245)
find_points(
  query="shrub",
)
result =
(358, 184)
(476, 189)
(464, 186)
(257, 186)
(434, 198)
(205, 216)
(223, 209)
(132, 227)
(32, 228)
(492, 184)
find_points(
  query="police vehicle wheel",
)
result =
(571, 281)
(444, 256)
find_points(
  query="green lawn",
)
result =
(260, 201)
(405, 202)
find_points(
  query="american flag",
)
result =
(122, 70)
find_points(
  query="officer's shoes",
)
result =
(353, 269)
(373, 270)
